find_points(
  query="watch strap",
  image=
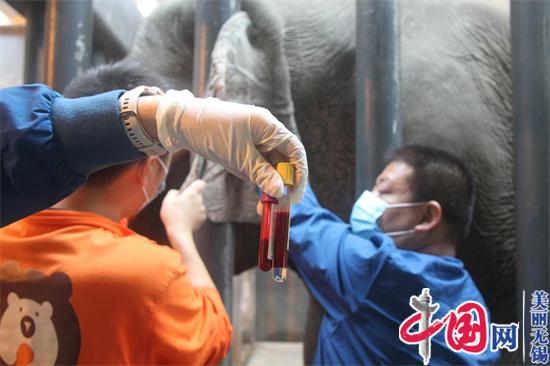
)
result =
(137, 134)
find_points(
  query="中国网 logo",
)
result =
(466, 328)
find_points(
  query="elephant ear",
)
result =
(248, 66)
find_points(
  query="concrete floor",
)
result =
(276, 354)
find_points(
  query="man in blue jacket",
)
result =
(402, 238)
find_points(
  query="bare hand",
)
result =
(184, 210)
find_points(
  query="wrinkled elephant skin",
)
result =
(455, 77)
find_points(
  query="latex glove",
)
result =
(184, 210)
(237, 136)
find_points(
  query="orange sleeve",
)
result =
(190, 325)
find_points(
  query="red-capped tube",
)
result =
(264, 262)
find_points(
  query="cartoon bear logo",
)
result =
(38, 325)
(27, 332)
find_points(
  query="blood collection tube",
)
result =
(282, 224)
(265, 252)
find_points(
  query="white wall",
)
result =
(12, 55)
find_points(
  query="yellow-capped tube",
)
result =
(282, 224)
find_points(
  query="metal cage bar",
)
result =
(530, 25)
(217, 247)
(69, 27)
(377, 108)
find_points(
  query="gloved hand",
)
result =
(237, 136)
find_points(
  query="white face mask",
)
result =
(368, 209)
(160, 189)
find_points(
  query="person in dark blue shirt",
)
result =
(402, 238)
(50, 144)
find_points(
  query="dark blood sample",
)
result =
(264, 261)
(280, 254)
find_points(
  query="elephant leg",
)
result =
(246, 246)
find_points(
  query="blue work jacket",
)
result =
(364, 287)
(49, 144)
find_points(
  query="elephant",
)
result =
(455, 93)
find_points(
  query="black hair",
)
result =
(441, 176)
(123, 74)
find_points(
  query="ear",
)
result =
(46, 308)
(249, 63)
(143, 170)
(432, 215)
(12, 299)
(249, 66)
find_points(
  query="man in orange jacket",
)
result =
(78, 286)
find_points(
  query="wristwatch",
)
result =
(128, 103)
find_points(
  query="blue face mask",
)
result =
(368, 209)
